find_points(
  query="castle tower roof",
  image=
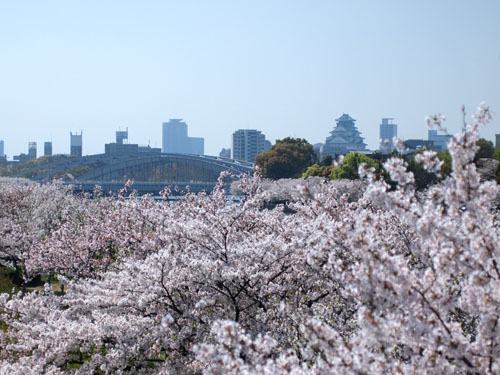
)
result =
(345, 117)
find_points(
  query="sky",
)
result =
(287, 68)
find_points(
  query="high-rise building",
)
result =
(32, 150)
(388, 131)
(47, 149)
(439, 141)
(497, 140)
(174, 134)
(345, 138)
(76, 144)
(248, 143)
(2, 151)
(175, 139)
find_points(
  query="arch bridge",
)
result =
(150, 169)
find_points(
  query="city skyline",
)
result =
(432, 135)
(288, 68)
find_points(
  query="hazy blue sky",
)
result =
(288, 68)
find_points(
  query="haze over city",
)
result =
(287, 68)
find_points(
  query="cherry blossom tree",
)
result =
(29, 213)
(427, 303)
(396, 282)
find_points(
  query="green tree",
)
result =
(485, 149)
(496, 154)
(423, 178)
(349, 168)
(445, 157)
(288, 158)
(318, 170)
(327, 161)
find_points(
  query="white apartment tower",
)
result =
(175, 139)
(248, 143)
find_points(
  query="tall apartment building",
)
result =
(175, 139)
(76, 144)
(47, 149)
(388, 130)
(248, 143)
(2, 150)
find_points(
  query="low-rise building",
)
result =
(225, 153)
(439, 141)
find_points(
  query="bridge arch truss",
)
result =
(165, 168)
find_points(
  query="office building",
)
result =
(497, 140)
(129, 149)
(22, 158)
(121, 136)
(344, 138)
(76, 144)
(248, 143)
(388, 130)
(120, 147)
(439, 141)
(32, 150)
(175, 139)
(47, 149)
(2, 150)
